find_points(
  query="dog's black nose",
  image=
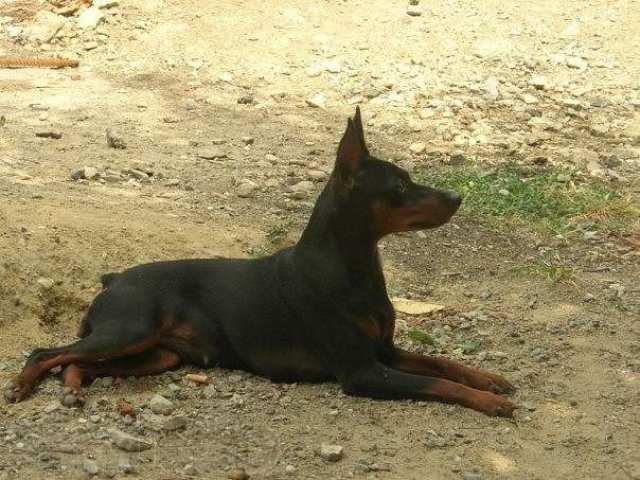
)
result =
(454, 198)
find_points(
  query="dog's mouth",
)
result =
(433, 215)
(426, 225)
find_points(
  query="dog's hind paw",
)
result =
(72, 397)
(16, 392)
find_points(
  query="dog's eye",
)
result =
(401, 187)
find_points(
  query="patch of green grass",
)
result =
(540, 267)
(544, 197)
(423, 338)
(275, 233)
(257, 251)
(469, 346)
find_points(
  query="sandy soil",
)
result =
(209, 95)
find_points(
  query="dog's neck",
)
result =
(342, 238)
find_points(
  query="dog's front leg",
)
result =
(440, 367)
(382, 382)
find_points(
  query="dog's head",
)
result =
(383, 191)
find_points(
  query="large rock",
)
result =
(44, 26)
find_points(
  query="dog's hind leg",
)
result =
(152, 361)
(111, 337)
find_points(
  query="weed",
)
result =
(257, 251)
(423, 338)
(276, 233)
(549, 197)
(541, 267)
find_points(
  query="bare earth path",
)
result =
(231, 112)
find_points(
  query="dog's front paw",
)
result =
(72, 397)
(493, 405)
(490, 382)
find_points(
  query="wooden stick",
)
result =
(37, 62)
(196, 378)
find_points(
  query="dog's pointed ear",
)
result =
(350, 156)
(357, 122)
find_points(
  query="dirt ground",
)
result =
(226, 109)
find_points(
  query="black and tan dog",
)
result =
(313, 312)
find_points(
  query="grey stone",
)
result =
(301, 189)
(414, 10)
(332, 67)
(90, 466)
(246, 99)
(417, 148)
(139, 175)
(55, 134)
(115, 138)
(125, 465)
(44, 27)
(471, 476)
(331, 453)
(317, 175)
(161, 406)
(246, 189)
(225, 77)
(599, 130)
(317, 101)
(45, 283)
(190, 470)
(576, 62)
(127, 442)
(211, 153)
(539, 82)
(528, 98)
(89, 18)
(314, 70)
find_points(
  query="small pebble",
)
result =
(417, 148)
(471, 476)
(90, 466)
(528, 98)
(246, 99)
(576, 62)
(414, 10)
(160, 405)
(190, 470)
(211, 153)
(128, 442)
(246, 189)
(45, 283)
(317, 101)
(115, 138)
(539, 82)
(126, 466)
(238, 474)
(55, 134)
(331, 453)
